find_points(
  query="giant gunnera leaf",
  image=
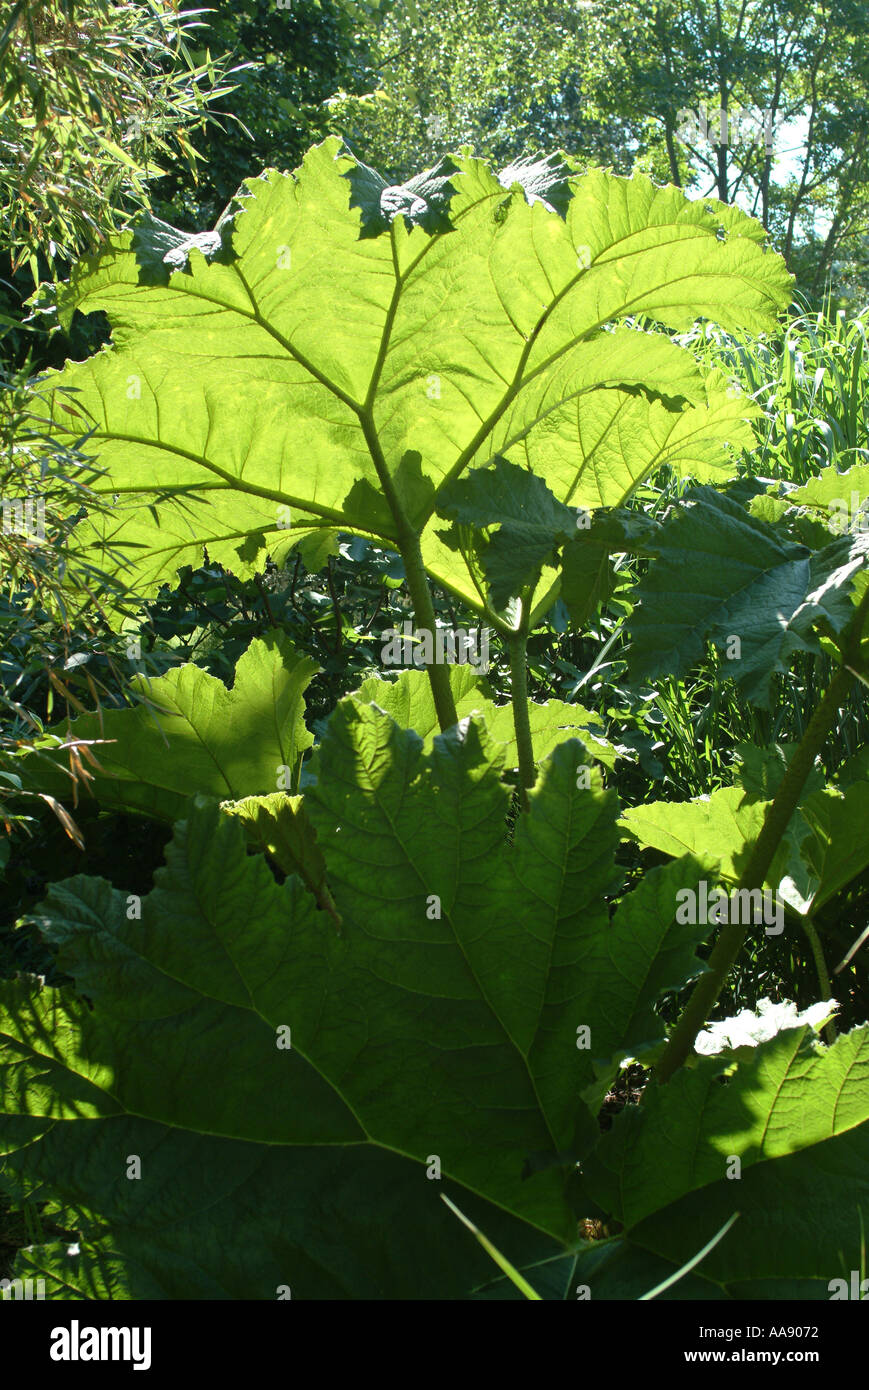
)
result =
(725, 576)
(189, 734)
(331, 356)
(239, 1093)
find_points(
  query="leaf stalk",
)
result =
(517, 646)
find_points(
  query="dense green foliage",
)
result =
(564, 921)
(407, 949)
